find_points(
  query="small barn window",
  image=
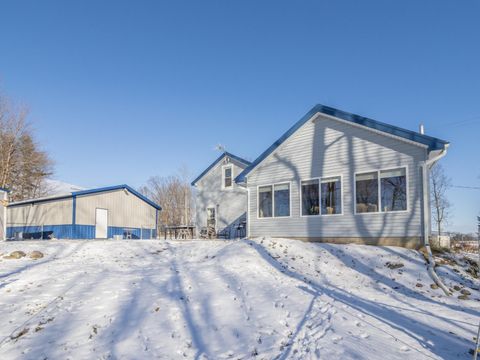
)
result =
(265, 201)
(393, 185)
(282, 200)
(310, 198)
(331, 190)
(227, 176)
(366, 190)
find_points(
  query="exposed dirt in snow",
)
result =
(265, 299)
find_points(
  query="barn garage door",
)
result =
(101, 223)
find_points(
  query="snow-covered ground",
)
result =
(269, 299)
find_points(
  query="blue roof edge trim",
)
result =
(431, 142)
(3, 189)
(117, 187)
(226, 153)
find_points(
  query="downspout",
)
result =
(426, 165)
(247, 230)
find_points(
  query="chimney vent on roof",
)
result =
(421, 129)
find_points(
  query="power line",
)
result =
(463, 122)
(467, 187)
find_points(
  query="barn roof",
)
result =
(88, 192)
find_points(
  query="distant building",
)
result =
(87, 214)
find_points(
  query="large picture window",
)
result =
(274, 200)
(265, 201)
(310, 198)
(282, 200)
(393, 189)
(331, 191)
(381, 191)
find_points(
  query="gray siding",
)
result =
(54, 212)
(328, 147)
(125, 210)
(230, 203)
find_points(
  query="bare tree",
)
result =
(174, 194)
(23, 166)
(439, 184)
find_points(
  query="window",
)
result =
(366, 189)
(282, 200)
(394, 189)
(322, 196)
(310, 198)
(265, 201)
(274, 200)
(387, 186)
(331, 191)
(227, 176)
(211, 218)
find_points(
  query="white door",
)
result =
(101, 223)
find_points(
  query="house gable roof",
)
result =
(89, 192)
(212, 165)
(430, 142)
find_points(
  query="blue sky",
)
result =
(122, 90)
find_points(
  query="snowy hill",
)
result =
(265, 299)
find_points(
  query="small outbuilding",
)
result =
(109, 212)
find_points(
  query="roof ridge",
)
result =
(212, 165)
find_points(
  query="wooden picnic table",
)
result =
(179, 231)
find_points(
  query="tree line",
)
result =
(175, 196)
(24, 166)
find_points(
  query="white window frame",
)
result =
(320, 196)
(273, 200)
(223, 176)
(407, 183)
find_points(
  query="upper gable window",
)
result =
(227, 176)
